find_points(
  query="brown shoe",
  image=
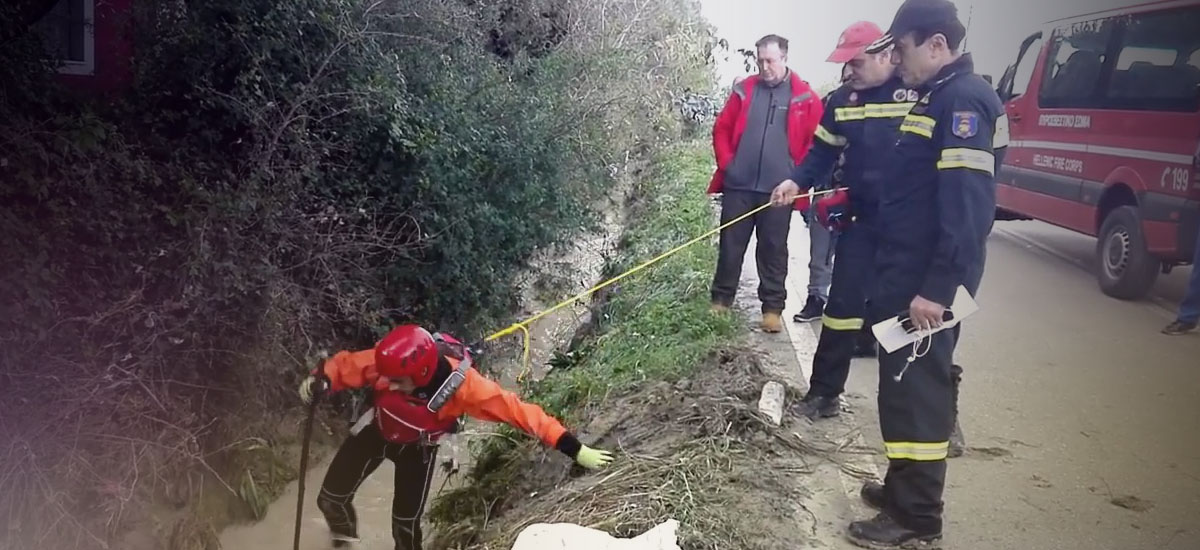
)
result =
(772, 322)
(1179, 327)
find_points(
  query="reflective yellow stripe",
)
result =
(920, 125)
(835, 323)
(830, 137)
(1000, 137)
(843, 114)
(872, 110)
(973, 159)
(924, 452)
(888, 110)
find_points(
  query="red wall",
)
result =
(114, 49)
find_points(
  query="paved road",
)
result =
(1084, 421)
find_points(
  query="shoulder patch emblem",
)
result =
(913, 95)
(925, 100)
(966, 124)
(853, 97)
(899, 95)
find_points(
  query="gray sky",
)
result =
(813, 27)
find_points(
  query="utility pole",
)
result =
(970, 16)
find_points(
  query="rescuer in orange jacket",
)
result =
(422, 385)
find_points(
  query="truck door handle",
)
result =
(1015, 117)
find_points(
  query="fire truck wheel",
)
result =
(1125, 269)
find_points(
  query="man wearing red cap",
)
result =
(422, 385)
(764, 130)
(861, 123)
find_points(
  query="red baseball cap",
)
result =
(854, 40)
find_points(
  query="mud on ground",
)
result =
(697, 451)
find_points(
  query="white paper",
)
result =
(568, 536)
(892, 336)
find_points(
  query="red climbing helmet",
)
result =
(407, 351)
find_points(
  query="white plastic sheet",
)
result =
(568, 536)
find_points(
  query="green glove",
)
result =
(311, 386)
(592, 458)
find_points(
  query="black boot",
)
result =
(812, 310)
(872, 494)
(817, 406)
(957, 445)
(883, 533)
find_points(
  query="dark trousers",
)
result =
(771, 227)
(355, 460)
(916, 415)
(843, 324)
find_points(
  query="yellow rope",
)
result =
(524, 325)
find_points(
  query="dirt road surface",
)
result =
(1082, 420)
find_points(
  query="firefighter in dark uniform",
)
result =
(861, 123)
(935, 215)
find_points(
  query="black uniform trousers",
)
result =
(843, 324)
(355, 460)
(771, 226)
(916, 416)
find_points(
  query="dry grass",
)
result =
(96, 457)
(685, 484)
(698, 452)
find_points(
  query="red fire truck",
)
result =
(1104, 119)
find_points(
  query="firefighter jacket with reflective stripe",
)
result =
(863, 126)
(476, 396)
(803, 113)
(937, 208)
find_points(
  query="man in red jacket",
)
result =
(762, 133)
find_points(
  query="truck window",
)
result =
(1025, 67)
(1075, 64)
(1157, 63)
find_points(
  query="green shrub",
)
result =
(282, 179)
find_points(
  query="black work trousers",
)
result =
(843, 325)
(771, 226)
(355, 460)
(916, 415)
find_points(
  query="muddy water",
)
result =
(581, 262)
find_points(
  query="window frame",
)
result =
(1096, 99)
(86, 66)
(1035, 44)
(1100, 98)
(1158, 105)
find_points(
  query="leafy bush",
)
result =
(280, 180)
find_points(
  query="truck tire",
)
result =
(1124, 268)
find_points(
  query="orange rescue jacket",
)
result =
(478, 397)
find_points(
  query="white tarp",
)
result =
(568, 536)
